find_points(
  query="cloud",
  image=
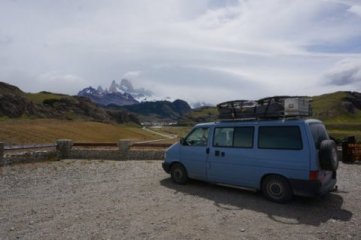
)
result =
(346, 73)
(5, 40)
(356, 9)
(230, 49)
(60, 82)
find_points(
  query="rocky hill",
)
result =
(14, 103)
(338, 107)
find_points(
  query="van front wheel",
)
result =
(276, 189)
(178, 173)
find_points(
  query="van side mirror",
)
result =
(181, 141)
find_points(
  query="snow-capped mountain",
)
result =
(113, 95)
(120, 94)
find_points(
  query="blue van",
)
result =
(279, 157)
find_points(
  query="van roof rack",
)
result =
(266, 108)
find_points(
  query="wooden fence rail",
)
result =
(152, 145)
(86, 144)
(29, 146)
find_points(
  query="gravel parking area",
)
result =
(80, 199)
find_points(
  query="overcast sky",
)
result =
(198, 50)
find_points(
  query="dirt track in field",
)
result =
(81, 199)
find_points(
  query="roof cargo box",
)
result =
(297, 107)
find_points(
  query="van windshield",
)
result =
(319, 133)
(198, 137)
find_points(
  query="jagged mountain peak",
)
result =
(126, 85)
(100, 90)
(113, 88)
(88, 90)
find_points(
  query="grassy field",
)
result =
(25, 131)
(342, 130)
(179, 131)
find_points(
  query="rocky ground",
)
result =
(80, 199)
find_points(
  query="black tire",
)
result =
(178, 173)
(277, 189)
(328, 155)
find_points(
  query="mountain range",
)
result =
(15, 103)
(338, 108)
(119, 94)
(123, 94)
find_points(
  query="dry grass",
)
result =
(26, 131)
(179, 131)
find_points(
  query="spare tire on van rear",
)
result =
(328, 155)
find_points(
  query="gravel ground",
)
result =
(80, 199)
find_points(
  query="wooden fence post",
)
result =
(1, 152)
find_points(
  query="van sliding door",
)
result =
(231, 155)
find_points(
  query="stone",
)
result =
(63, 147)
(123, 146)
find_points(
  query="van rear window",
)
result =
(319, 133)
(280, 137)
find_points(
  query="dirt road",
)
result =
(83, 199)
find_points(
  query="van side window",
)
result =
(241, 137)
(198, 137)
(280, 137)
(223, 137)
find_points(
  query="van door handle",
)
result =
(223, 154)
(207, 150)
(216, 153)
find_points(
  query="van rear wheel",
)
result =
(276, 189)
(178, 173)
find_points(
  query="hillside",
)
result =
(340, 111)
(338, 107)
(203, 114)
(158, 110)
(14, 103)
